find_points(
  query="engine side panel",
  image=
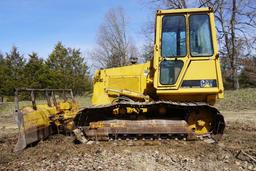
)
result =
(132, 78)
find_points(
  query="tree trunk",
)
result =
(234, 55)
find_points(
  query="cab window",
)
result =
(173, 36)
(200, 35)
(170, 71)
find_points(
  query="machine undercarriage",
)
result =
(161, 119)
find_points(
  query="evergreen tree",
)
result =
(58, 64)
(37, 73)
(64, 68)
(79, 72)
(14, 73)
(68, 69)
(3, 70)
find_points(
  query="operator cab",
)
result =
(185, 40)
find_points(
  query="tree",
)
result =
(36, 72)
(173, 4)
(148, 47)
(3, 69)
(247, 77)
(79, 72)
(14, 73)
(68, 69)
(57, 63)
(113, 46)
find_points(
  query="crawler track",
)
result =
(99, 122)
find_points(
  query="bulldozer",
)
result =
(173, 94)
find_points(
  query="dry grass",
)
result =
(235, 100)
(7, 108)
(84, 100)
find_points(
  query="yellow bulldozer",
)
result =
(171, 95)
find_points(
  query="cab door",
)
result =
(171, 51)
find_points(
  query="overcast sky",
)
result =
(36, 25)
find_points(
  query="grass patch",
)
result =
(234, 100)
(84, 100)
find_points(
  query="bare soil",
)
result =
(60, 153)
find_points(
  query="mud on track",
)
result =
(60, 153)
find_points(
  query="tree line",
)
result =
(64, 68)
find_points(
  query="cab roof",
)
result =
(184, 10)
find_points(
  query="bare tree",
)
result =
(113, 46)
(235, 23)
(148, 47)
(176, 4)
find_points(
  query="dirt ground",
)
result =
(60, 153)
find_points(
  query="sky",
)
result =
(37, 25)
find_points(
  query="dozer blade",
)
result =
(27, 137)
(104, 129)
(33, 127)
(37, 122)
(21, 144)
